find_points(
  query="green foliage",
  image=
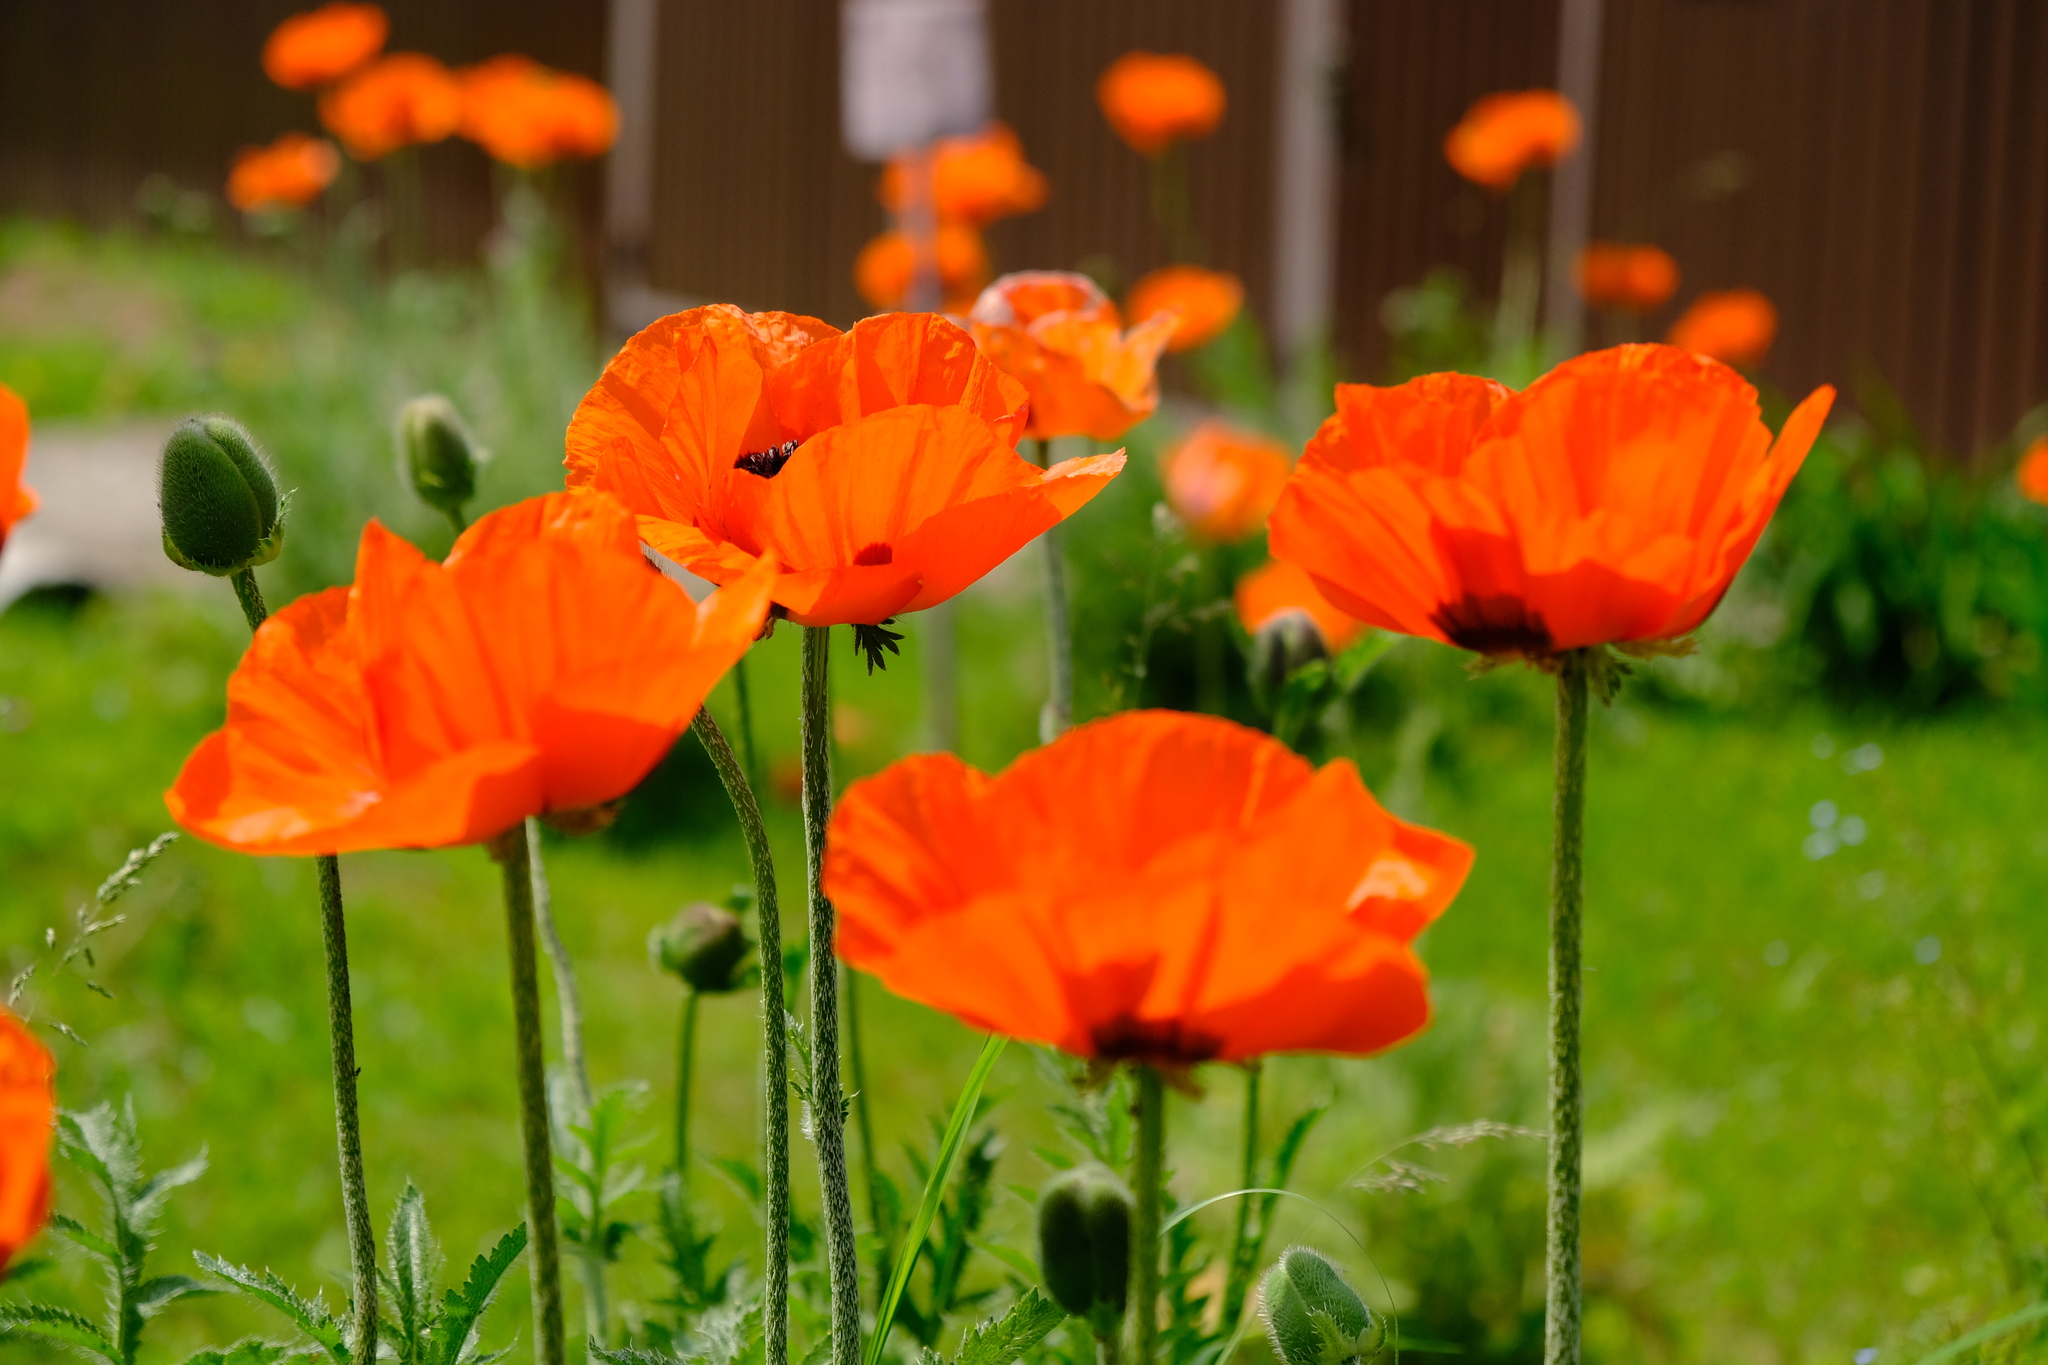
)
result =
(103, 1143)
(1312, 1316)
(1277, 1171)
(310, 1316)
(1004, 1340)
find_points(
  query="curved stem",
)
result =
(739, 687)
(1561, 1268)
(509, 849)
(1057, 717)
(1241, 1248)
(1150, 1175)
(341, 1042)
(775, 1034)
(686, 1069)
(569, 999)
(828, 1114)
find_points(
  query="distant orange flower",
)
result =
(975, 180)
(2032, 474)
(1206, 300)
(1154, 101)
(1222, 481)
(323, 45)
(877, 465)
(401, 100)
(544, 667)
(528, 115)
(1058, 335)
(1733, 326)
(1626, 277)
(28, 1109)
(17, 499)
(882, 271)
(1612, 501)
(1506, 134)
(289, 173)
(1274, 589)
(1156, 886)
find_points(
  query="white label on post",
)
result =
(911, 71)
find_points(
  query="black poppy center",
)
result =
(1498, 624)
(767, 463)
(877, 553)
(1166, 1041)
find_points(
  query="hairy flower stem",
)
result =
(1241, 1266)
(563, 969)
(1057, 716)
(686, 1070)
(1148, 1182)
(828, 1112)
(739, 687)
(341, 1041)
(775, 1034)
(1561, 1267)
(509, 849)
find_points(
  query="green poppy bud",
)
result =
(437, 454)
(1084, 1245)
(1312, 1316)
(703, 945)
(218, 498)
(1285, 643)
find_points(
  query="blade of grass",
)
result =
(934, 1190)
(1985, 1333)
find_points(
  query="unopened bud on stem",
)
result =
(1286, 642)
(438, 455)
(1084, 1245)
(704, 945)
(1312, 1316)
(218, 499)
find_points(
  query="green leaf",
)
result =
(58, 1325)
(1009, 1256)
(251, 1352)
(934, 1191)
(148, 1201)
(1985, 1333)
(308, 1315)
(464, 1308)
(1002, 1341)
(820, 1352)
(742, 1174)
(1350, 667)
(415, 1271)
(153, 1296)
(83, 1236)
(633, 1355)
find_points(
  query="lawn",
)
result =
(1815, 1096)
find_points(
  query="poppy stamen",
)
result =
(767, 463)
(872, 640)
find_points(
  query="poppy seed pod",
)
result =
(439, 457)
(1286, 642)
(218, 499)
(703, 945)
(1312, 1316)
(1084, 1244)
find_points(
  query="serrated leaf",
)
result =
(820, 1352)
(251, 1352)
(153, 1296)
(462, 1311)
(633, 1355)
(1002, 1341)
(81, 1235)
(308, 1315)
(148, 1201)
(59, 1325)
(415, 1270)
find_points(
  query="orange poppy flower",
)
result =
(881, 273)
(1222, 481)
(1058, 335)
(1611, 501)
(1154, 100)
(878, 466)
(1733, 326)
(1506, 134)
(404, 99)
(323, 45)
(1274, 589)
(1155, 886)
(28, 1109)
(17, 499)
(2032, 474)
(544, 667)
(528, 115)
(975, 180)
(1207, 301)
(1631, 279)
(290, 172)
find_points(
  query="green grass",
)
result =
(1809, 1131)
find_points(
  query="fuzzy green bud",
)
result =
(1285, 643)
(703, 945)
(219, 500)
(437, 453)
(1084, 1245)
(1312, 1317)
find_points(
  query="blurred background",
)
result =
(1818, 847)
